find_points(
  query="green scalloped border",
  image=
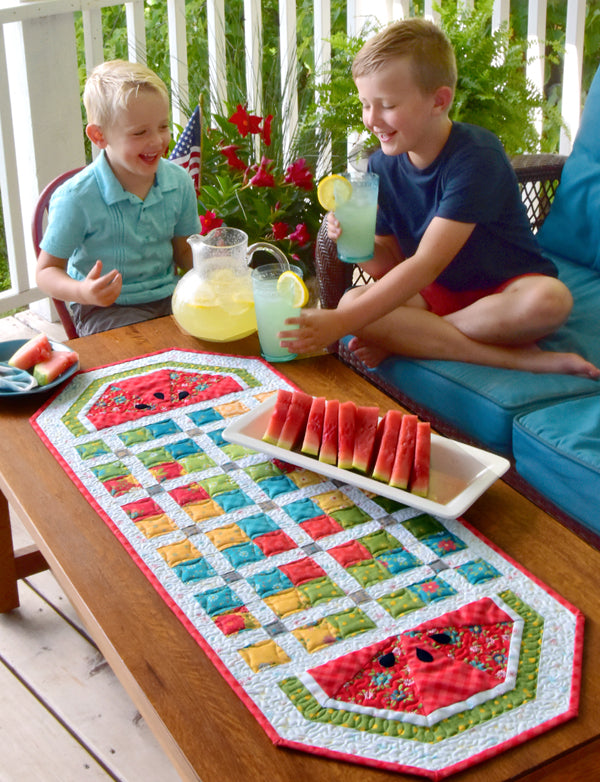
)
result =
(525, 690)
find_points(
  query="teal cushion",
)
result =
(482, 402)
(556, 451)
(572, 229)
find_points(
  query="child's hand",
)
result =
(334, 227)
(101, 290)
(316, 330)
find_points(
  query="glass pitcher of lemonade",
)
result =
(214, 301)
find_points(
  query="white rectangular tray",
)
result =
(460, 473)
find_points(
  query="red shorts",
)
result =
(442, 301)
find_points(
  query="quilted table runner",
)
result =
(350, 625)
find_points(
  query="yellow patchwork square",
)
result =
(264, 395)
(316, 637)
(201, 511)
(332, 501)
(305, 478)
(264, 655)
(152, 526)
(287, 602)
(224, 537)
(232, 408)
(175, 553)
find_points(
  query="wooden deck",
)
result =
(64, 715)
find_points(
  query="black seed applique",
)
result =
(441, 638)
(424, 656)
(143, 406)
(159, 395)
(387, 660)
(183, 394)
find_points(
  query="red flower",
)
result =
(245, 123)
(232, 159)
(266, 130)
(280, 230)
(263, 177)
(209, 221)
(300, 174)
(300, 235)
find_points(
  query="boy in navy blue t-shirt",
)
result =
(458, 273)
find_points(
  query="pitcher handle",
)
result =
(270, 248)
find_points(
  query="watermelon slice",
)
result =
(314, 427)
(36, 349)
(367, 419)
(295, 421)
(405, 452)
(329, 444)
(277, 419)
(346, 434)
(382, 471)
(60, 360)
(419, 478)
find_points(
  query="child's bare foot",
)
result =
(545, 361)
(370, 355)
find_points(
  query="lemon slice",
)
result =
(292, 288)
(333, 190)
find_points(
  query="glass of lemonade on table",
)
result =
(354, 203)
(278, 294)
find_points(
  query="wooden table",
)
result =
(206, 730)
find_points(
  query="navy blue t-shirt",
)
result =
(471, 181)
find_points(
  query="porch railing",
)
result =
(41, 127)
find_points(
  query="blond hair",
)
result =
(430, 52)
(111, 85)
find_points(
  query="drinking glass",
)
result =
(357, 218)
(272, 310)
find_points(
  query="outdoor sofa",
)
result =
(548, 425)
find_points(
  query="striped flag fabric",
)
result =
(186, 152)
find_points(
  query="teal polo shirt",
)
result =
(93, 217)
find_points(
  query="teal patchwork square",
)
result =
(444, 543)
(302, 510)
(269, 582)
(243, 554)
(431, 590)
(478, 571)
(398, 560)
(194, 570)
(219, 600)
(278, 484)
(254, 526)
(233, 500)
(201, 417)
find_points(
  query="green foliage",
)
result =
(493, 90)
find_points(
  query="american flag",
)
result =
(186, 151)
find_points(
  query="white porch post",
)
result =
(46, 110)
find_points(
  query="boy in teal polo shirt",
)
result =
(118, 229)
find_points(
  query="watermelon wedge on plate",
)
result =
(278, 416)
(419, 477)
(367, 419)
(314, 427)
(295, 420)
(346, 435)
(405, 452)
(329, 443)
(391, 422)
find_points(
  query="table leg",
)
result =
(9, 594)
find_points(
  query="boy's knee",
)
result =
(553, 300)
